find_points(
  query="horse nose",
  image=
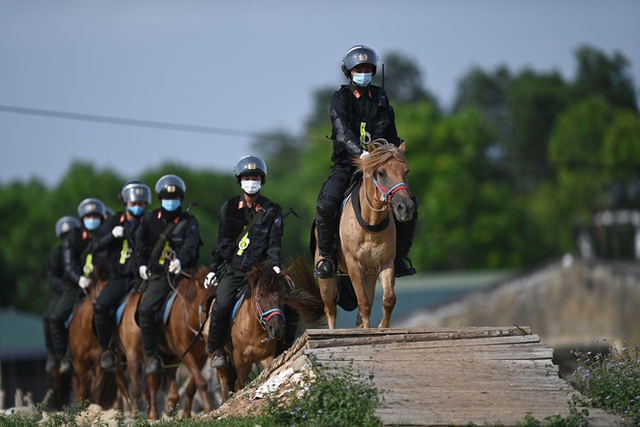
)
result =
(276, 329)
(403, 210)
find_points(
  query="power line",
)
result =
(131, 122)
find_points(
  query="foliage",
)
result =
(611, 380)
(342, 398)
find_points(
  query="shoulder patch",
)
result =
(278, 221)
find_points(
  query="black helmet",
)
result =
(135, 191)
(170, 186)
(359, 55)
(251, 165)
(91, 206)
(66, 224)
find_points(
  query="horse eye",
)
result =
(381, 174)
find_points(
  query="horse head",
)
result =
(268, 291)
(387, 167)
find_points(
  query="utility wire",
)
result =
(131, 122)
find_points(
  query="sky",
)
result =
(130, 85)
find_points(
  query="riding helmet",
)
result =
(91, 206)
(359, 55)
(135, 191)
(66, 224)
(170, 186)
(252, 166)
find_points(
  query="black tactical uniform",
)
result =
(57, 284)
(116, 238)
(155, 252)
(78, 261)
(358, 115)
(238, 250)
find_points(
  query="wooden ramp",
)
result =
(444, 376)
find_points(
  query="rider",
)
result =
(249, 231)
(117, 238)
(168, 242)
(359, 112)
(57, 283)
(78, 265)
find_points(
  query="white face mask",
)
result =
(251, 187)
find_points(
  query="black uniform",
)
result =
(184, 240)
(350, 107)
(232, 257)
(74, 258)
(57, 284)
(118, 253)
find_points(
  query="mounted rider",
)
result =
(250, 231)
(168, 243)
(57, 283)
(359, 112)
(117, 238)
(78, 268)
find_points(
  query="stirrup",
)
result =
(325, 268)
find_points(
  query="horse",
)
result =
(259, 322)
(182, 342)
(367, 233)
(89, 379)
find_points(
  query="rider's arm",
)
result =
(274, 253)
(70, 257)
(340, 121)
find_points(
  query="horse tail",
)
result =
(305, 297)
(105, 389)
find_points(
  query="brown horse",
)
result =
(89, 380)
(259, 322)
(183, 343)
(367, 233)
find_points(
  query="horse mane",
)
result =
(262, 274)
(383, 153)
(189, 286)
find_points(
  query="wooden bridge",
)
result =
(434, 376)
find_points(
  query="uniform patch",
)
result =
(278, 221)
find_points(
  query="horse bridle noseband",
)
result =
(388, 194)
(265, 316)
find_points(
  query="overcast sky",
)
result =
(239, 68)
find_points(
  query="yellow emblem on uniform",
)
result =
(251, 166)
(171, 188)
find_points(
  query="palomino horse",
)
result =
(259, 322)
(89, 380)
(367, 232)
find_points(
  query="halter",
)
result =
(388, 194)
(265, 316)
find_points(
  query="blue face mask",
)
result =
(91, 224)
(135, 210)
(362, 79)
(170, 204)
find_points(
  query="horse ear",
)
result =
(402, 146)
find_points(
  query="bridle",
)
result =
(388, 193)
(264, 316)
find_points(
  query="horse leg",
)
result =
(387, 278)
(173, 395)
(223, 379)
(153, 381)
(329, 293)
(359, 281)
(196, 376)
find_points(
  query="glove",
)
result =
(84, 282)
(364, 154)
(175, 267)
(144, 272)
(118, 231)
(277, 269)
(209, 280)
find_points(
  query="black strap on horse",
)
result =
(195, 338)
(254, 220)
(355, 202)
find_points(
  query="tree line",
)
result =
(505, 177)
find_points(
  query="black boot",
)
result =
(60, 341)
(51, 363)
(215, 342)
(326, 266)
(404, 240)
(103, 324)
(149, 339)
